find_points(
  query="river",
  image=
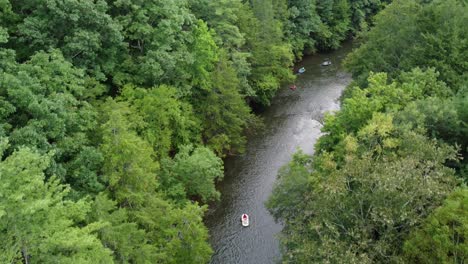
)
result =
(292, 121)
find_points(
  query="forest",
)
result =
(387, 182)
(115, 116)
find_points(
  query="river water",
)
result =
(292, 121)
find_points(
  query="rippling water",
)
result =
(292, 121)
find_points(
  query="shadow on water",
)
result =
(292, 121)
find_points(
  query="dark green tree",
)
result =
(223, 17)
(223, 111)
(302, 24)
(158, 36)
(409, 34)
(45, 108)
(128, 242)
(271, 56)
(82, 30)
(195, 171)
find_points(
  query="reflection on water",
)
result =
(292, 121)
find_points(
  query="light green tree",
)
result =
(167, 121)
(37, 223)
(129, 243)
(129, 168)
(389, 182)
(443, 236)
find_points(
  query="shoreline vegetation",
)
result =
(387, 182)
(115, 117)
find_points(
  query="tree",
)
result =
(177, 232)
(335, 16)
(410, 34)
(271, 57)
(82, 30)
(37, 223)
(205, 56)
(223, 111)
(292, 181)
(167, 121)
(171, 234)
(128, 242)
(194, 170)
(443, 236)
(223, 17)
(158, 35)
(303, 22)
(363, 11)
(129, 168)
(379, 96)
(45, 108)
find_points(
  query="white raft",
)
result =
(245, 220)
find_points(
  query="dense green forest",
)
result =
(387, 182)
(115, 115)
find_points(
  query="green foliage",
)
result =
(3, 35)
(168, 234)
(335, 16)
(443, 119)
(37, 224)
(195, 171)
(303, 22)
(323, 25)
(410, 34)
(382, 168)
(129, 169)
(82, 30)
(205, 55)
(443, 236)
(390, 179)
(159, 35)
(363, 11)
(223, 111)
(379, 96)
(44, 108)
(292, 182)
(224, 17)
(178, 233)
(271, 57)
(127, 241)
(166, 121)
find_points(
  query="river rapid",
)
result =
(292, 121)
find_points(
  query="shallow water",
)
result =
(292, 121)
